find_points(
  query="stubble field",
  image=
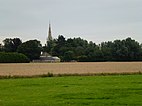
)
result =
(30, 69)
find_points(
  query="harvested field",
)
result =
(29, 69)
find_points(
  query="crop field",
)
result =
(29, 69)
(120, 90)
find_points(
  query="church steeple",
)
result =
(49, 38)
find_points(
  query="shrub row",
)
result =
(13, 58)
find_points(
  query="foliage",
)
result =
(31, 48)
(1, 47)
(124, 90)
(68, 56)
(13, 58)
(69, 49)
(122, 50)
(80, 50)
(11, 45)
(49, 46)
(77, 49)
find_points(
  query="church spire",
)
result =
(49, 38)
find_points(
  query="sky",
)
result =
(92, 20)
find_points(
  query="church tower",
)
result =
(49, 38)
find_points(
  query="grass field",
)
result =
(30, 69)
(121, 90)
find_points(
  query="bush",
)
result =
(31, 48)
(13, 58)
(82, 58)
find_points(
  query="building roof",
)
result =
(49, 58)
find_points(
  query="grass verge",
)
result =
(66, 74)
(110, 90)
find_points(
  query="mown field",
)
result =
(121, 90)
(30, 69)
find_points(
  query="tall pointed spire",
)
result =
(49, 38)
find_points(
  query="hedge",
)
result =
(13, 58)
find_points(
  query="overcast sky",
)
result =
(93, 20)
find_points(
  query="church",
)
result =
(46, 57)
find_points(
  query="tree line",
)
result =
(77, 49)
(32, 48)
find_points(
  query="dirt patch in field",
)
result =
(29, 69)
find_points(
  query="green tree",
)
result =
(126, 50)
(11, 45)
(31, 48)
(106, 48)
(82, 58)
(16, 42)
(133, 48)
(117, 50)
(12, 57)
(68, 56)
(49, 46)
(60, 47)
(1, 47)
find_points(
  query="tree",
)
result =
(31, 48)
(60, 47)
(12, 57)
(16, 43)
(1, 47)
(8, 45)
(11, 45)
(125, 50)
(49, 46)
(79, 50)
(68, 56)
(82, 58)
(133, 48)
(61, 40)
(106, 48)
(118, 50)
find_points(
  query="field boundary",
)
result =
(65, 75)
